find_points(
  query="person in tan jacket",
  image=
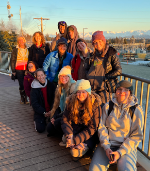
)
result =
(120, 131)
(65, 87)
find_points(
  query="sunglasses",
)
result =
(61, 22)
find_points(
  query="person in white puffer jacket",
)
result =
(120, 131)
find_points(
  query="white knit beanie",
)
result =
(65, 71)
(83, 85)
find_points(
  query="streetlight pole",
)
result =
(83, 32)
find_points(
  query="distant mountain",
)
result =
(127, 34)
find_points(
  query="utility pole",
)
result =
(83, 32)
(21, 21)
(42, 22)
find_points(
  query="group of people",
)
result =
(75, 93)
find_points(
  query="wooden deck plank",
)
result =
(21, 147)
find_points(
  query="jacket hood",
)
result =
(75, 33)
(35, 84)
(133, 101)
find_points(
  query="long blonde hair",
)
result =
(74, 107)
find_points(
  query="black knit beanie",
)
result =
(62, 40)
(126, 84)
(81, 40)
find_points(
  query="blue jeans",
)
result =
(100, 161)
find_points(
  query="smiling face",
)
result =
(82, 95)
(41, 77)
(71, 34)
(62, 48)
(61, 29)
(99, 45)
(31, 67)
(64, 79)
(122, 95)
(21, 42)
(38, 38)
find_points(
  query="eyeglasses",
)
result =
(61, 22)
(64, 76)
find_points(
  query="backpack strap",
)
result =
(132, 109)
(111, 104)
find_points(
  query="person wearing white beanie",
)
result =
(65, 87)
(81, 119)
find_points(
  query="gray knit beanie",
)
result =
(126, 84)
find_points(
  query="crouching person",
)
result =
(81, 118)
(120, 131)
(65, 87)
(42, 97)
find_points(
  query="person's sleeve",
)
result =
(102, 130)
(116, 68)
(46, 65)
(35, 104)
(13, 60)
(56, 103)
(27, 86)
(47, 49)
(52, 95)
(53, 45)
(65, 124)
(136, 132)
(30, 57)
(89, 131)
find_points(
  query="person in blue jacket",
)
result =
(56, 60)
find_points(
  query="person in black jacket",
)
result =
(39, 50)
(104, 67)
(42, 98)
(18, 61)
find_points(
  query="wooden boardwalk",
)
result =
(21, 147)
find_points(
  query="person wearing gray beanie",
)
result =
(120, 131)
(81, 119)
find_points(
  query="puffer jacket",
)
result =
(51, 64)
(119, 129)
(84, 132)
(112, 66)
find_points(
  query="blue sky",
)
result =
(95, 15)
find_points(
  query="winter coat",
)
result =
(82, 132)
(51, 64)
(112, 67)
(13, 59)
(118, 129)
(37, 99)
(38, 54)
(75, 64)
(72, 42)
(27, 83)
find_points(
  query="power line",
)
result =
(41, 22)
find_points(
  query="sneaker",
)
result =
(78, 152)
(63, 142)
